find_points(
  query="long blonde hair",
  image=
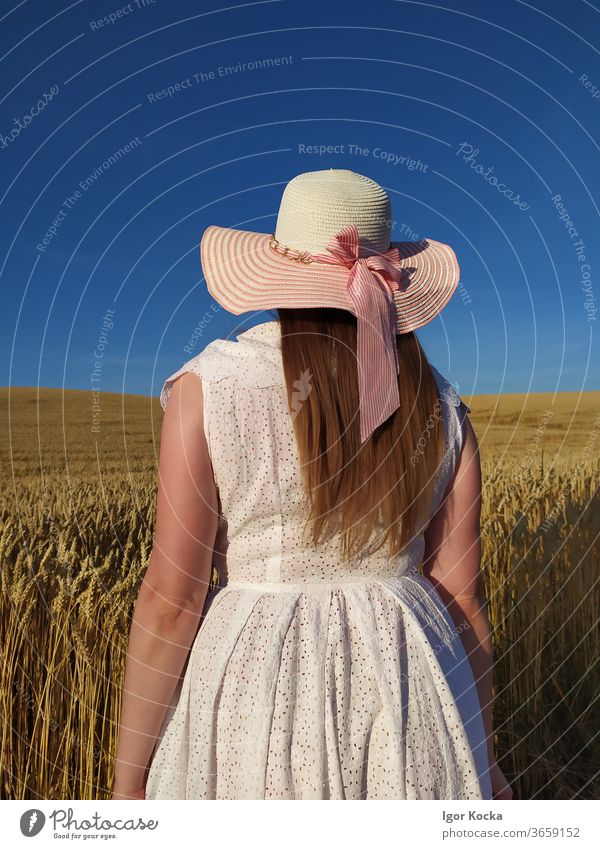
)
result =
(351, 487)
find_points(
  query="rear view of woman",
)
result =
(332, 476)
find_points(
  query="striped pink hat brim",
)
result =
(243, 273)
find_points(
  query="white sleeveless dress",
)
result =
(310, 678)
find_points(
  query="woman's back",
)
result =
(310, 677)
(249, 431)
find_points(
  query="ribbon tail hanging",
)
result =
(376, 350)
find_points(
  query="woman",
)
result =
(318, 462)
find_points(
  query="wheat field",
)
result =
(77, 511)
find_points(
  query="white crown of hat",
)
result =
(317, 204)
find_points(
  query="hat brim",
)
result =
(243, 273)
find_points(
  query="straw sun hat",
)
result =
(331, 248)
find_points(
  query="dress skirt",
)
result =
(358, 689)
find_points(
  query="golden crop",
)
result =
(77, 511)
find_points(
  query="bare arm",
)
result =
(452, 563)
(172, 595)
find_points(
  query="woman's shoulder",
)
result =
(224, 359)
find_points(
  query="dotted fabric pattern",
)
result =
(311, 677)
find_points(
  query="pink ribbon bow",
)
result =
(370, 283)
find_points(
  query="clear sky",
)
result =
(481, 120)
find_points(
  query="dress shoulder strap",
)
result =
(453, 411)
(448, 392)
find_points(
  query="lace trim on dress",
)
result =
(224, 358)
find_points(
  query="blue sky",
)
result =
(472, 91)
